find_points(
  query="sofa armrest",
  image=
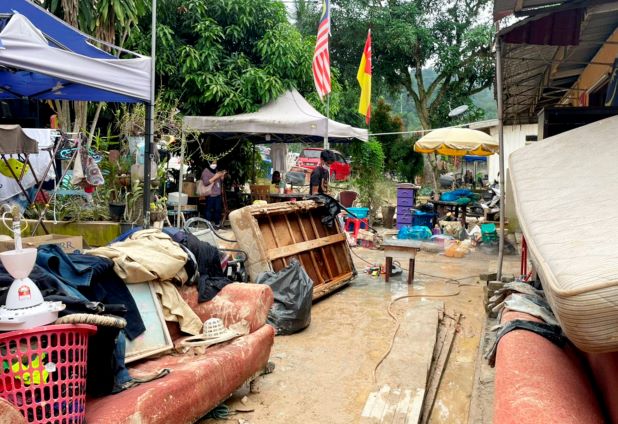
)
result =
(9, 414)
(237, 303)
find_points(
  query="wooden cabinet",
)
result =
(274, 234)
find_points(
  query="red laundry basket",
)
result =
(44, 372)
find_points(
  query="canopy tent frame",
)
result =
(296, 122)
(62, 39)
(289, 118)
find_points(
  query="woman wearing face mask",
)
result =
(214, 202)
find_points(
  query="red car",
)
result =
(310, 158)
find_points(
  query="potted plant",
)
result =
(114, 192)
(158, 211)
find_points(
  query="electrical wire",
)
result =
(398, 323)
(447, 280)
(210, 226)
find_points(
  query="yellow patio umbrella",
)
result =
(457, 142)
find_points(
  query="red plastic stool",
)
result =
(355, 223)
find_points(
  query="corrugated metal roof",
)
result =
(503, 8)
(538, 76)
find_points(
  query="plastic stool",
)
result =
(356, 223)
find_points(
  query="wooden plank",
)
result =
(375, 406)
(284, 251)
(272, 229)
(402, 243)
(340, 256)
(318, 269)
(393, 406)
(332, 285)
(333, 251)
(401, 412)
(440, 366)
(414, 412)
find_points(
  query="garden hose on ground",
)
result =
(398, 323)
(210, 226)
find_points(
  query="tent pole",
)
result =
(150, 112)
(326, 144)
(147, 164)
(181, 175)
(499, 88)
(253, 160)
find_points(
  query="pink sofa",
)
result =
(197, 384)
(539, 382)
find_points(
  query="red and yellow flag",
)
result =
(364, 80)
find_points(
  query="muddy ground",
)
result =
(324, 374)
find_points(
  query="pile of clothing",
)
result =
(96, 283)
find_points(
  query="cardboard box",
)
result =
(67, 243)
(189, 188)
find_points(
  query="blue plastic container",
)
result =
(452, 196)
(449, 196)
(414, 233)
(359, 212)
(422, 219)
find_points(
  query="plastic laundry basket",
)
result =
(44, 372)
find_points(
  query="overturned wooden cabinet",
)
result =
(274, 234)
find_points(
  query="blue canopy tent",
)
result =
(470, 158)
(44, 58)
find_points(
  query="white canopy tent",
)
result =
(290, 118)
(73, 76)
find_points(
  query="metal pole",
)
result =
(499, 89)
(326, 144)
(181, 175)
(150, 116)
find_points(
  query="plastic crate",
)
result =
(359, 212)
(489, 233)
(44, 372)
(422, 219)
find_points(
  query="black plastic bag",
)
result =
(293, 292)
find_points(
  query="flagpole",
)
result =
(326, 144)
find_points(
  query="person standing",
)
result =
(318, 183)
(214, 201)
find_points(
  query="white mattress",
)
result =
(566, 195)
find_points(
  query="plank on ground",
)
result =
(393, 406)
(439, 366)
(403, 375)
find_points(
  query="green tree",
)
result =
(383, 120)
(411, 35)
(109, 21)
(222, 57)
(409, 164)
(368, 163)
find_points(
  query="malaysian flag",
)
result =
(321, 58)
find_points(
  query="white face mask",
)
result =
(213, 166)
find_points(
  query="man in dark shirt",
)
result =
(319, 177)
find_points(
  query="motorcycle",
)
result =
(491, 200)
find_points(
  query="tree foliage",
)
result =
(368, 163)
(227, 56)
(384, 121)
(411, 35)
(400, 158)
(108, 20)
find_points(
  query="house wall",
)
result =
(593, 73)
(514, 139)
